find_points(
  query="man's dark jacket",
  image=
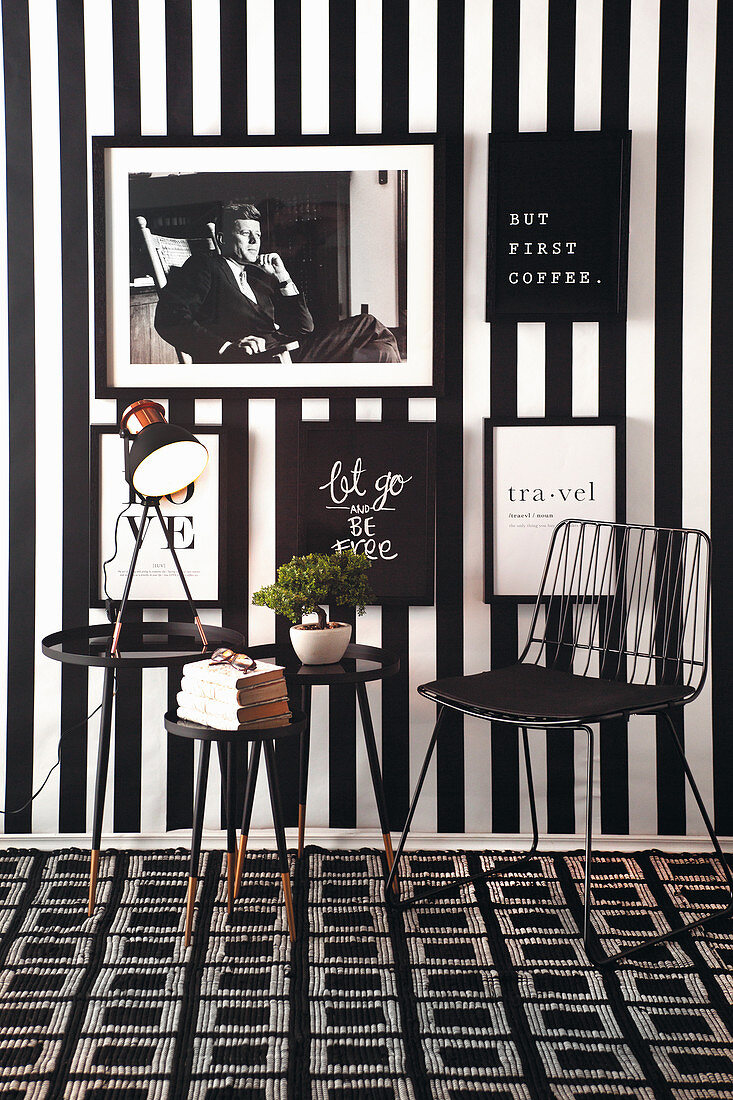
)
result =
(201, 308)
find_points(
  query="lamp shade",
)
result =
(163, 458)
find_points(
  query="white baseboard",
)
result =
(367, 838)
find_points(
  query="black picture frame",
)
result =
(416, 270)
(114, 479)
(547, 461)
(575, 189)
(407, 524)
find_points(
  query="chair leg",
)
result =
(249, 798)
(277, 819)
(597, 957)
(392, 885)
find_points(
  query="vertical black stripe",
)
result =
(180, 752)
(287, 68)
(179, 95)
(127, 763)
(235, 456)
(21, 428)
(561, 65)
(128, 741)
(233, 61)
(395, 66)
(128, 705)
(503, 383)
(342, 701)
(449, 420)
(504, 739)
(75, 447)
(126, 65)
(669, 263)
(396, 690)
(342, 67)
(721, 428)
(395, 620)
(287, 410)
(179, 67)
(561, 117)
(559, 377)
(560, 743)
(234, 530)
(616, 36)
(287, 419)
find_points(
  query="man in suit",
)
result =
(242, 303)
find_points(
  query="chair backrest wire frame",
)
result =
(633, 598)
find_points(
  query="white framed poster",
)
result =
(213, 256)
(536, 474)
(194, 520)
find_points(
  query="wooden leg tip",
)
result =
(240, 864)
(93, 876)
(290, 913)
(301, 829)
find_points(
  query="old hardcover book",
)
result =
(200, 717)
(216, 710)
(229, 676)
(226, 693)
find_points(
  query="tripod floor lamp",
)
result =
(160, 459)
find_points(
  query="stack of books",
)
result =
(226, 698)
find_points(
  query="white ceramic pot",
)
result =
(321, 647)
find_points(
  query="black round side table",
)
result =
(226, 740)
(359, 665)
(141, 645)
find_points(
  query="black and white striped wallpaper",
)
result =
(78, 68)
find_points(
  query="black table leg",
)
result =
(305, 741)
(277, 819)
(228, 779)
(373, 757)
(105, 730)
(198, 824)
(249, 797)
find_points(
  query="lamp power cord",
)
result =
(53, 767)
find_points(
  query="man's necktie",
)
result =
(245, 287)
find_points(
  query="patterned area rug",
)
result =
(486, 995)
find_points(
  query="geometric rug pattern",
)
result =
(486, 993)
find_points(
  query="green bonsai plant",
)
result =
(305, 583)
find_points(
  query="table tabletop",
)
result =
(181, 727)
(360, 664)
(141, 645)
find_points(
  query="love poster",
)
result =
(371, 487)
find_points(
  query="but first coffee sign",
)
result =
(558, 225)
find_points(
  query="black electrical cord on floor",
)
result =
(58, 760)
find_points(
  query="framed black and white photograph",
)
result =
(268, 267)
(558, 225)
(536, 474)
(371, 487)
(195, 519)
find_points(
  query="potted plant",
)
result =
(303, 585)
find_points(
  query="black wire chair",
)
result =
(620, 627)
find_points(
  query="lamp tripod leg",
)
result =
(130, 573)
(189, 597)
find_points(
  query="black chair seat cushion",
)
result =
(531, 691)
